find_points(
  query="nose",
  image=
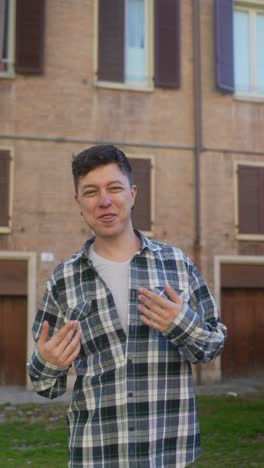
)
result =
(105, 200)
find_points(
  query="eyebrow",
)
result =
(109, 183)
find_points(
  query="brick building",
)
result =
(179, 86)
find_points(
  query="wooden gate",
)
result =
(243, 314)
(13, 321)
(13, 340)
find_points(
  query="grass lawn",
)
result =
(232, 432)
(33, 436)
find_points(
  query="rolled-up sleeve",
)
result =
(198, 330)
(48, 380)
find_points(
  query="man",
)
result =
(132, 315)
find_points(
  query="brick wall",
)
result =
(65, 102)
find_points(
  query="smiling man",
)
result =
(132, 315)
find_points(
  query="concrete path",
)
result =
(18, 395)
(238, 386)
(233, 387)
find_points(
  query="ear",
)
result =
(76, 198)
(134, 192)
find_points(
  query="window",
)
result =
(248, 51)
(250, 200)
(6, 174)
(21, 36)
(143, 213)
(239, 37)
(6, 36)
(138, 43)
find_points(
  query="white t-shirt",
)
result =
(116, 277)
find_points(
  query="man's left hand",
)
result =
(158, 312)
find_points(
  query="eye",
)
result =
(89, 193)
(116, 188)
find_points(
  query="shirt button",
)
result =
(131, 428)
(129, 362)
(130, 394)
(132, 450)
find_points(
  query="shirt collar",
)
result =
(147, 243)
(82, 253)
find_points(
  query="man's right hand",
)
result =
(63, 348)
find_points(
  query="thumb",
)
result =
(174, 297)
(43, 337)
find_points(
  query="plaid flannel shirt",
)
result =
(133, 403)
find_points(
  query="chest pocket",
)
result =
(100, 343)
(94, 338)
(182, 293)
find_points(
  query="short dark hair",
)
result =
(100, 155)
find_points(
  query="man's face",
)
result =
(106, 198)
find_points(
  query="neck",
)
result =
(118, 249)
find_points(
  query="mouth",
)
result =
(107, 217)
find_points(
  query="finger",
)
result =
(67, 329)
(152, 324)
(152, 296)
(64, 343)
(65, 357)
(43, 337)
(73, 344)
(150, 304)
(174, 297)
(153, 316)
(71, 358)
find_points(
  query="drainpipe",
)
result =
(197, 127)
(197, 90)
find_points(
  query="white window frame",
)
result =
(10, 72)
(239, 236)
(252, 8)
(7, 229)
(148, 85)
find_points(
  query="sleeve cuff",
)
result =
(183, 325)
(39, 367)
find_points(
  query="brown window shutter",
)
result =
(30, 28)
(167, 43)
(111, 26)
(141, 215)
(261, 196)
(251, 204)
(224, 45)
(4, 187)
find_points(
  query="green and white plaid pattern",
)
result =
(133, 403)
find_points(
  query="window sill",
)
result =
(142, 87)
(250, 237)
(5, 230)
(249, 97)
(7, 75)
